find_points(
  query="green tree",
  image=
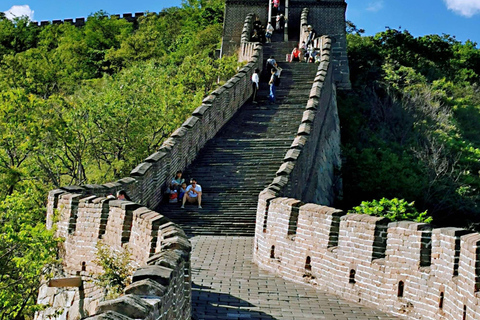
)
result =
(116, 267)
(393, 209)
(27, 251)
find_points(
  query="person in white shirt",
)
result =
(255, 84)
(193, 194)
(268, 32)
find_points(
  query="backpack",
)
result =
(173, 197)
(276, 80)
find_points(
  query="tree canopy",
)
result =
(410, 126)
(85, 105)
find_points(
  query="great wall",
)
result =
(406, 269)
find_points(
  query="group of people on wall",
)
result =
(263, 33)
(179, 192)
(306, 52)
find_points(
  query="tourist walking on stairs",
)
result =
(255, 84)
(273, 83)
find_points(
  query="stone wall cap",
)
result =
(299, 142)
(169, 259)
(190, 122)
(55, 192)
(71, 196)
(112, 185)
(325, 210)
(200, 111)
(141, 169)
(93, 186)
(308, 116)
(208, 100)
(125, 205)
(146, 287)
(159, 274)
(304, 129)
(267, 194)
(291, 202)
(109, 315)
(286, 168)
(472, 239)
(452, 231)
(292, 155)
(411, 225)
(141, 211)
(88, 199)
(280, 181)
(229, 84)
(177, 243)
(179, 132)
(365, 218)
(127, 180)
(158, 219)
(156, 156)
(129, 305)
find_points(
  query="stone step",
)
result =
(243, 158)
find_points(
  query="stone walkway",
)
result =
(227, 285)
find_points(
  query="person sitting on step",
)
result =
(177, 181)
(193, 194)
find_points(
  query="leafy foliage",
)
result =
(410, 125)
(116, 270)
(394, 209)
(27, 250)
(85, 105)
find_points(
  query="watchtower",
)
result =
(327, 17)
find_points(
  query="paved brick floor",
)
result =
(228, 285)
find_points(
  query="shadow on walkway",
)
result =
(209, 305)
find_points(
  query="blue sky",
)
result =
(460, 18)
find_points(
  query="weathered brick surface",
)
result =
(327, 248)
(85, 221)
(86, 216)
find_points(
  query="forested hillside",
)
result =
(86, 105)
(411, 126)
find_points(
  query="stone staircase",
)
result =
(242, 159)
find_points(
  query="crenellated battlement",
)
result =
(405, 268)
(80, 22)
(159, 251)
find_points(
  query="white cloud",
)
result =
(19, 11)
(465, 8)
(375, 5)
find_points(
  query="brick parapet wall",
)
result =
(310, 167)
(329, 19)
(80, 22)
(148, 181)
(328, 245)
(159, 251)
(84, 215)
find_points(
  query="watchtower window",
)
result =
(464, 312)
(84, 266)
(352, 276)
(272, 253)
(400, 289)
(440, 304)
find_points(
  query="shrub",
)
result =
(393, 209)
(116, 270)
